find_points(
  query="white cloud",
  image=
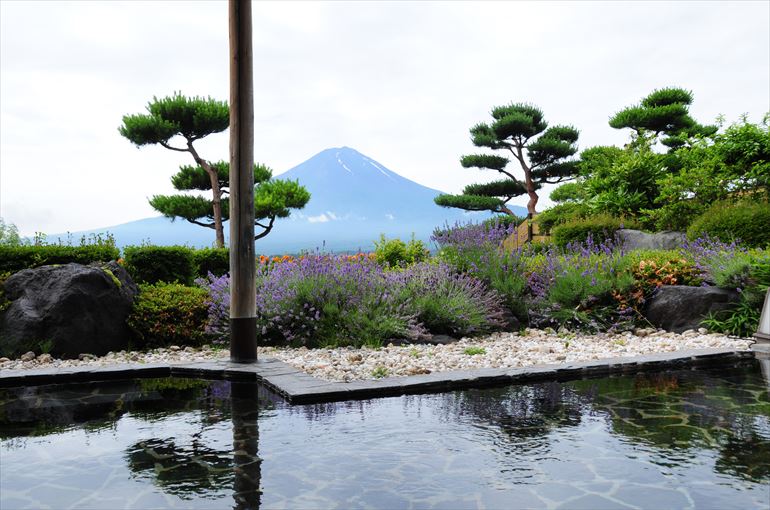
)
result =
(401, 82)
(390, 216)
(321, 218)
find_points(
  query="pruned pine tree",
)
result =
(664, 112)
(273, 198)
(541, 152)
(190, 118)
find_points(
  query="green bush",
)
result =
(152, 264)
(395, 252)
(559, 214)
(16, 258)
(750, 274)
(211, 260)
(169, 314)
(746, 221)
(600, 228)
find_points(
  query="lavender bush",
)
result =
(580, 286)
(321, 300)
(475, 249)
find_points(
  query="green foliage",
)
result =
(211, 260)
(153, 264)
(542, 159)
(9, 234)
(742, 320)
(747, 221)
(16, 258)
(745, 150)
(628, 184)
(600, 228)
(568, 192)
(474, 351)
(169, 314)
(470, 202)
(276, 198)
(663, 111)
(395, 252)
(749, 273)
(559, 214)
(504, 187)
(273, 198)
(736, 164)
(190, 117)
(379, 372)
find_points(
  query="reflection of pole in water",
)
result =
(762, 355)
(246, 464)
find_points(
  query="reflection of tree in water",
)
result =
(193, 468)
(688, 410)
(523, 414)
(318, 412)
(183, 470)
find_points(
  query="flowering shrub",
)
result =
(651, 273)
(582, 287)
(475, 249)
(322, 300)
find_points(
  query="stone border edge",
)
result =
(301, 388)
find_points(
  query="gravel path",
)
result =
(499, 350)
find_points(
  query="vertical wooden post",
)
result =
(243, 322)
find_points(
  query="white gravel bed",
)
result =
(499, 350)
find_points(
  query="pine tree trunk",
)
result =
(216, 198)
(528, 181)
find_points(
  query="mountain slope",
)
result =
(353, 200)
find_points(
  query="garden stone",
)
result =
(27, 356)
(638, 240)
(679, 308)
(68, 308)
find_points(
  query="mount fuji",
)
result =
(353, 200)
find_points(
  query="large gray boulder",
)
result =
(678, 308)
(638, 240)
(69, 309)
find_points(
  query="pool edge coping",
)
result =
(299, 387)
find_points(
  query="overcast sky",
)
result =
(401, 82)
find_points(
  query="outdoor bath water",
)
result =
(676, 439)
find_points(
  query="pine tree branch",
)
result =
(207, 225)
(267, 228)
(169, 147)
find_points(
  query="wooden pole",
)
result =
(243, 306)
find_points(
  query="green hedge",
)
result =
(16, 258)
(211, 260)
(152, 264)
(169, 314)
(747, 221)
(600, 228)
